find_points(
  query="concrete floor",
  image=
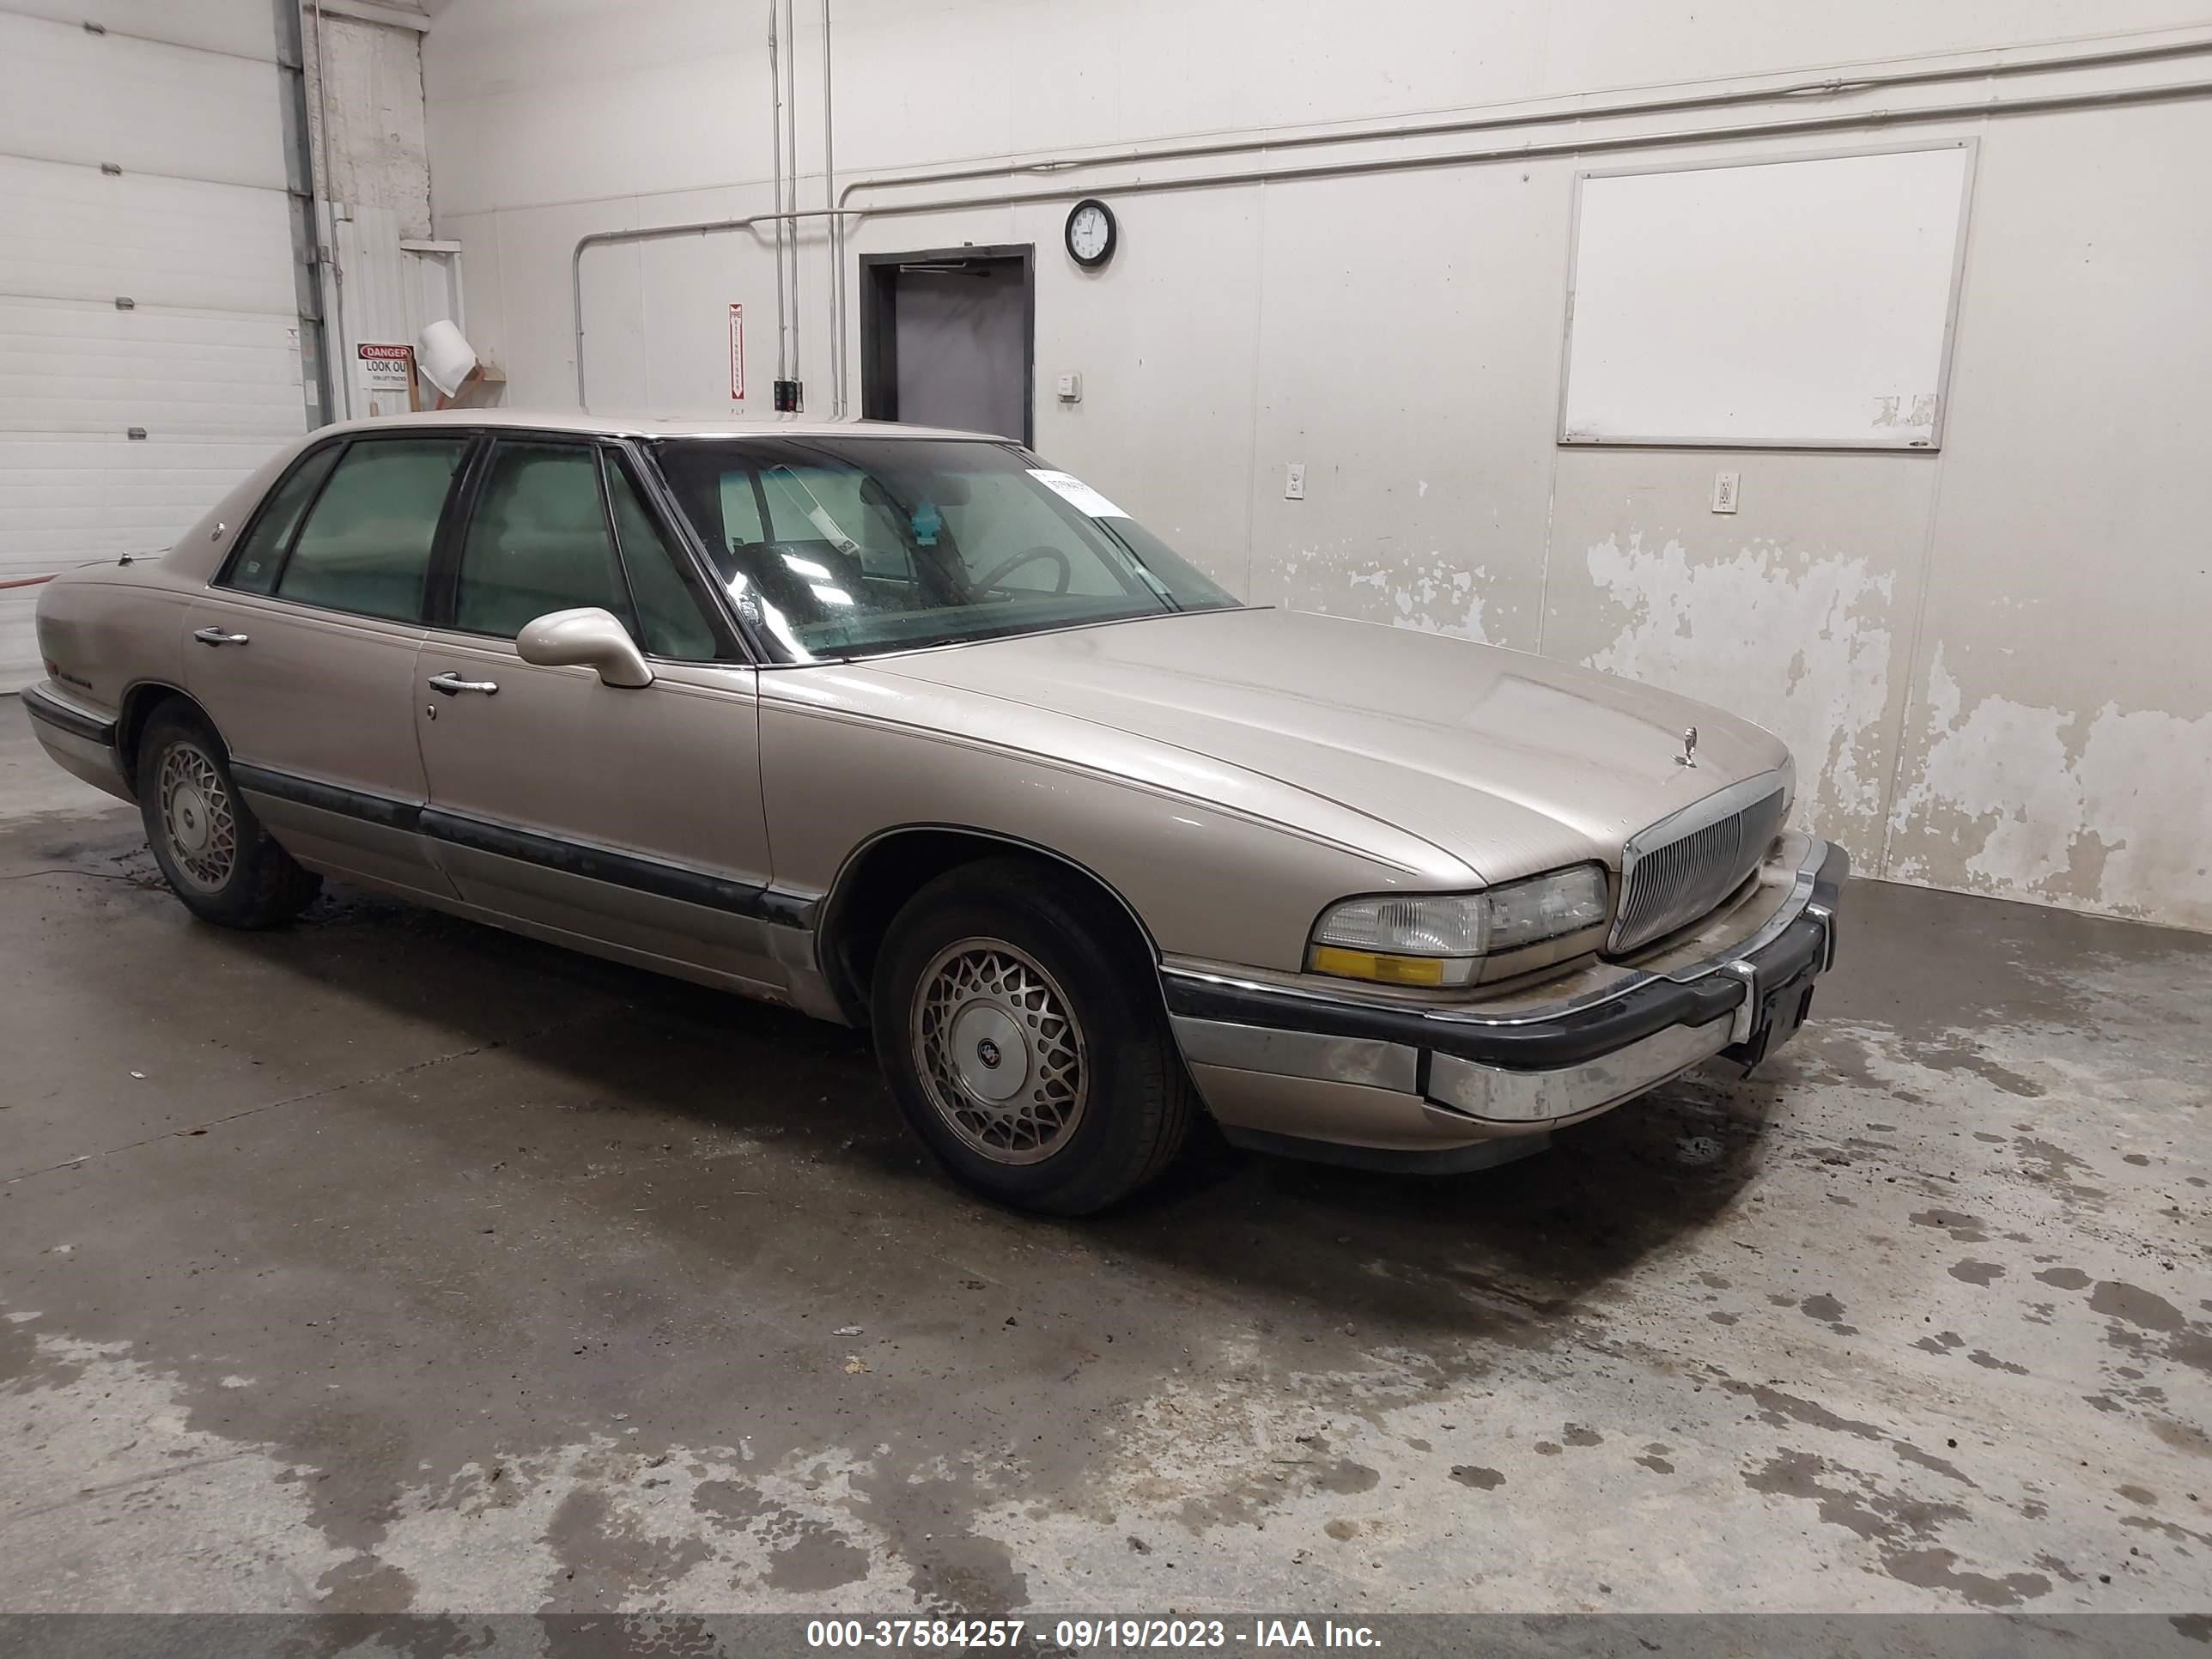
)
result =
(390, 1262)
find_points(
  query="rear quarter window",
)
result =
(366, 545)
(260, 553)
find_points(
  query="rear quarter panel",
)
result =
(104, 630)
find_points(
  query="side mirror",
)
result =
(584, 638)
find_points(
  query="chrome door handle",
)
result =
(449, 684)
(216, 636)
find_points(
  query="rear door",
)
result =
(626, 817)
(303, 650)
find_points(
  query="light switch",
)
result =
(1724, 492)
(1070, 388)
(1294, 481)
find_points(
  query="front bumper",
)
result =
(1288, 1068)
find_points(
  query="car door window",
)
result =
(539, 542)
(669, 621)
(366, 545)
(260, 553)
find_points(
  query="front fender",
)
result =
(1208, 869)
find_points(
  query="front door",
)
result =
(303, 654)
(626, 818)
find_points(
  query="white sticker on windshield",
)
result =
(1077, 494)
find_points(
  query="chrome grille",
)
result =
(1683, 865)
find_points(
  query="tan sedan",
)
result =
(907, 730)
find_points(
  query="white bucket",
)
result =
(443, 357)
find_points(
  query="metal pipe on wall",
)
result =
(1828, 86)
(304, 214)
(775, 115)
(1563, 146)
(791, 153)
(836, 233)
(326, 224)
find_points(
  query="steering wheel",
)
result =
(1007, 568)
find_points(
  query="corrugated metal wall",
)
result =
(141, 159)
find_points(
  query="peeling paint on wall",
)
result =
(1800, 643)
(1431, 593)
(2105, 812)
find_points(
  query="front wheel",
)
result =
(211, 849)
(1024, 1040)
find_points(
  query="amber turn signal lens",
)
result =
(1381, 969)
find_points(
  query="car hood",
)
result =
(1512, 763)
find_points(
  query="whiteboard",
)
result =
(1800, 303)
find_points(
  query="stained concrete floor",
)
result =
(392, 1262)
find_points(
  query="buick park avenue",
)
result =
(909, 731)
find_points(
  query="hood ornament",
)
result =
(1689, 755)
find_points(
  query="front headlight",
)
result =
(1440, 939)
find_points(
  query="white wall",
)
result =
(1990, 660)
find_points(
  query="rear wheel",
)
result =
(1024, 1047)
(211, 849)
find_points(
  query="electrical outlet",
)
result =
(1724, 492)
(1294, 481)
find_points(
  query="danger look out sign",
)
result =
(386, 368)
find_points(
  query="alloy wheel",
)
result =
(197, 818)
(1000, 1051)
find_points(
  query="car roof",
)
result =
(653, 426)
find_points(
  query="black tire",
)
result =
(213, 851)
(1005, 936)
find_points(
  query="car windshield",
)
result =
(836, 548)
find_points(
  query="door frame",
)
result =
(880, 329)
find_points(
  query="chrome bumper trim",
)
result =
(1803, 877)
(1827, 917)
(1496, 1095)
(1748, 1009)
(1403, 1086)
(1299, 1053)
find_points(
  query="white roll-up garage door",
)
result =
(146, 279)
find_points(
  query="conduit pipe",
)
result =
(1828, 86)
(1587, 145)
(1831, 86)
(326, 223)
(791, 167)
(836, 233)
(775, 123)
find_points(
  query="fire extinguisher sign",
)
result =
(736, 354)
